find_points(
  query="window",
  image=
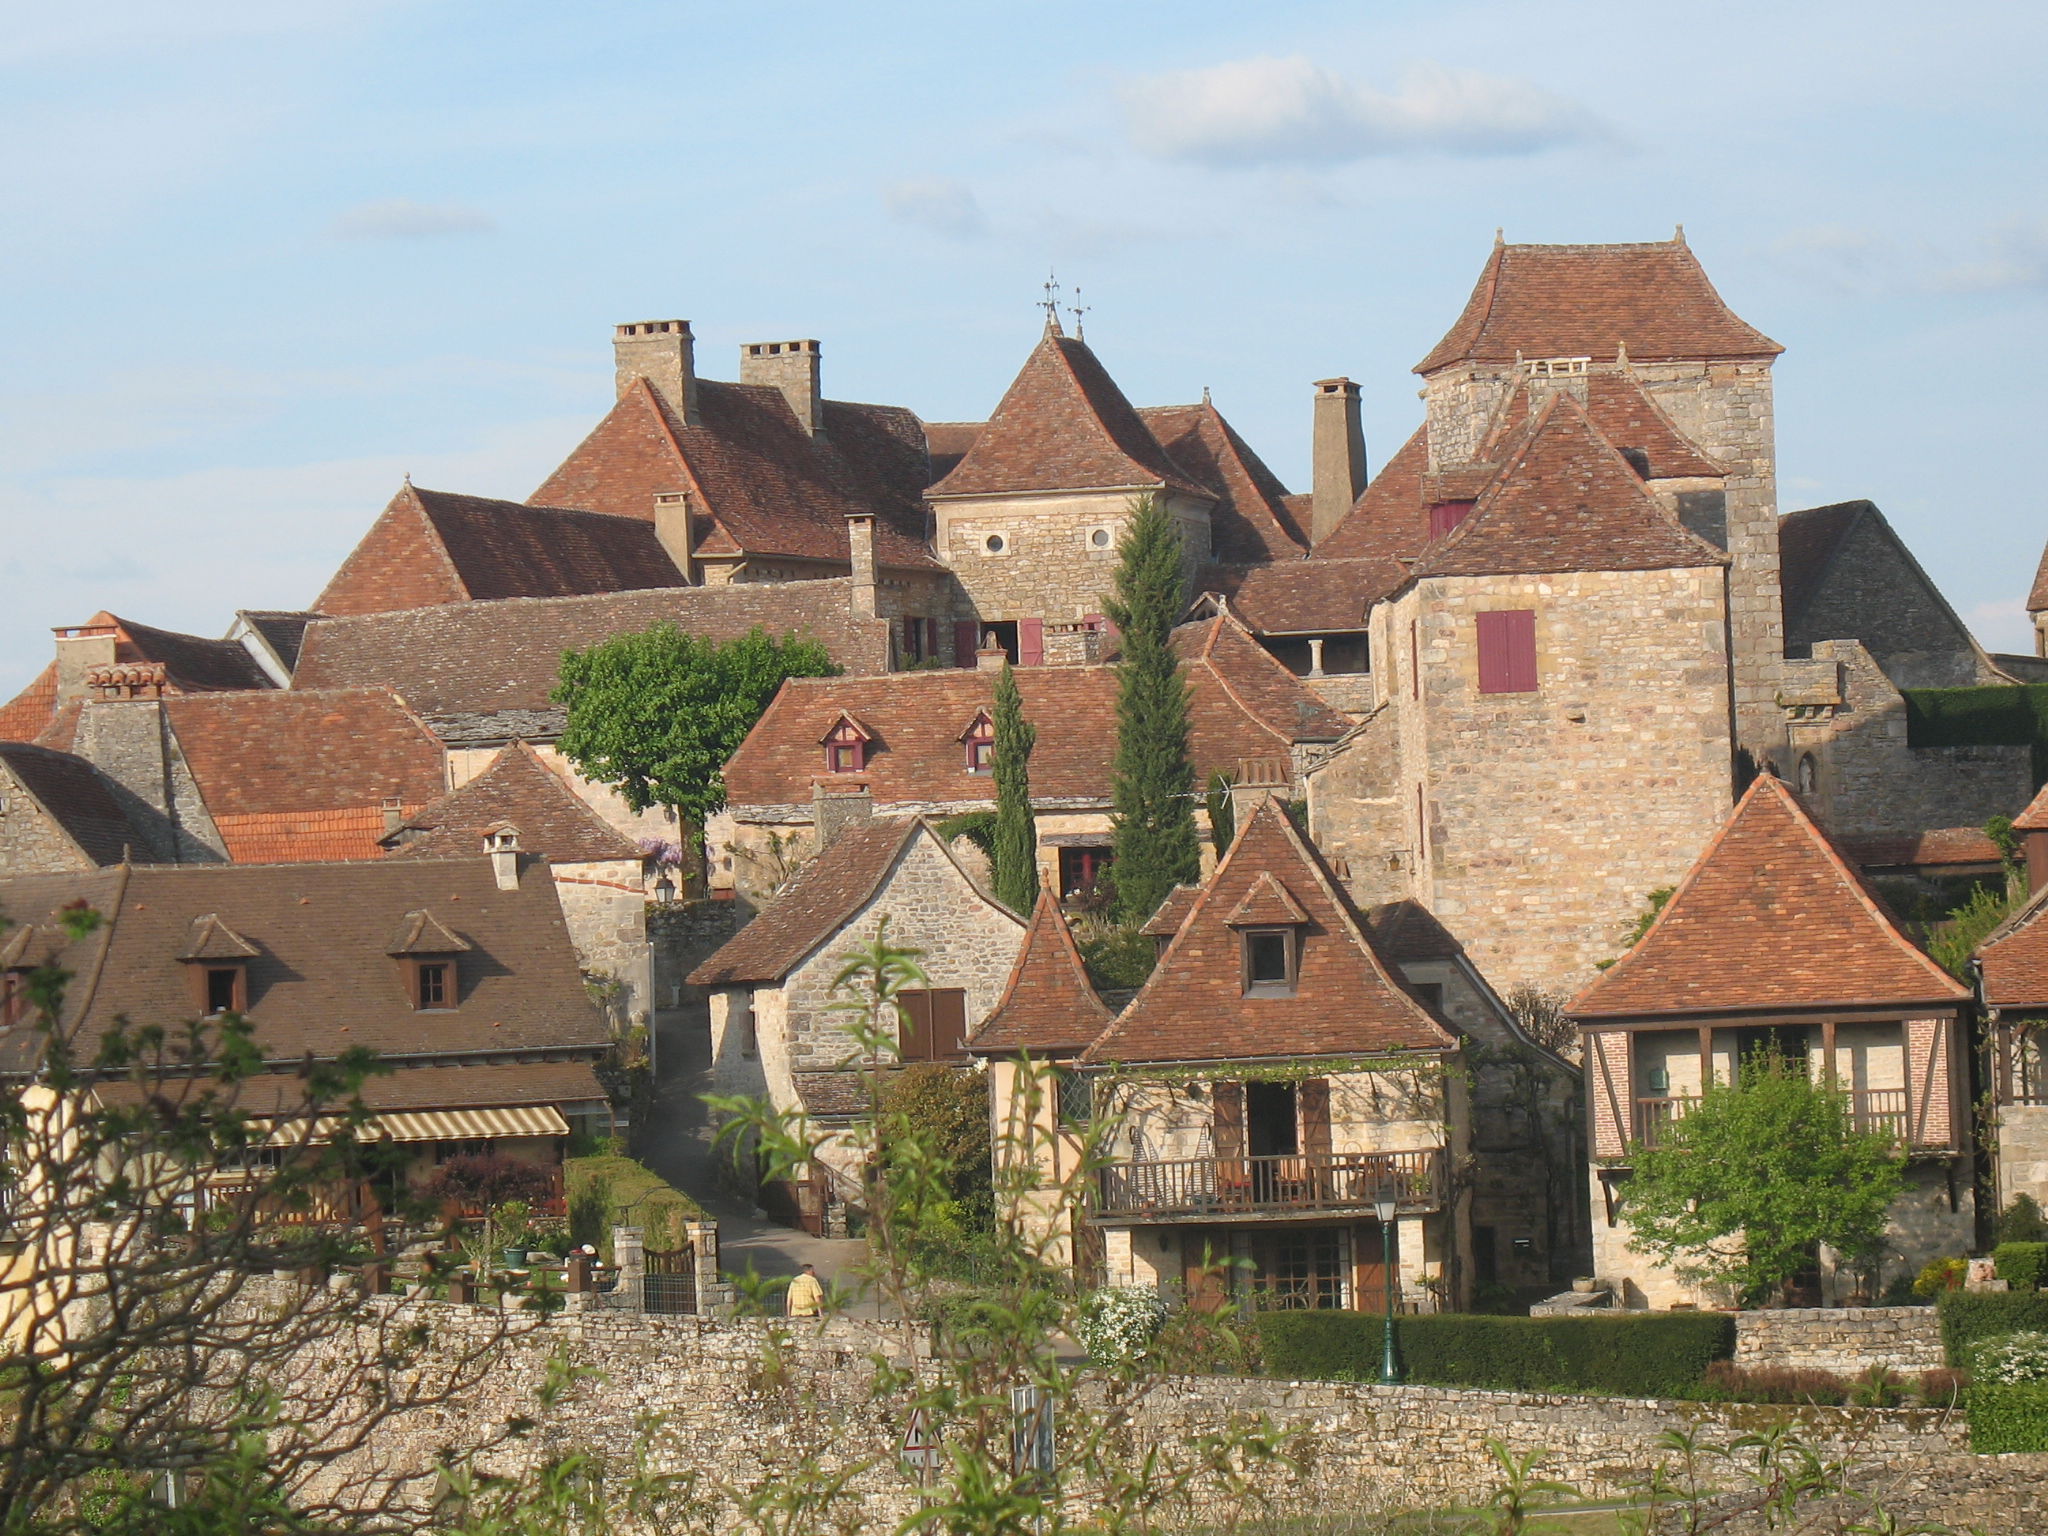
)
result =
(1430, 994)
(1507, 651)
(13, 997)
(433, 984)
(223, 989)
(1081, 872)
(933, 1024)
(846, 747)
(920, 639)
(979, 743)
(1076, 1096)
(1446, 515)
(448, 1151)
(1269, 962)
(996, 544)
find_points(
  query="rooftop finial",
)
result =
(1205, 394)
(1077, 309)
(1500, 236)
(1051, 304)
(1678, 235)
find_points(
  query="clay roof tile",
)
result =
(1049, 1007)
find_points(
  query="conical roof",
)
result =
(1049, 1007)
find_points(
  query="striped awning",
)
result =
(467, 1124)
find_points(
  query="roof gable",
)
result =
(1652, 298)
(1771, 916)
(1815, 542)
(212, 939)
(2013, 959)
(72, 793)
(1049, 1007)
(1192, 1008)
(1251, 519)
(520, 789)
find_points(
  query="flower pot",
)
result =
(1585, 1287)
(515, 1258)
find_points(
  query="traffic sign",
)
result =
(920, 1452)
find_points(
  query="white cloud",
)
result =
(2015, 256)
(939, 204)
(400, 218)
(1270, 111)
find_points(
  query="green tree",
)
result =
(1153, 777)
(1757, 1175)
(1014, 856)
(1222, 812)
(657, 713)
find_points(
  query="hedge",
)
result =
(1992, 716)
(1967, 1316)
(2008, 1418)
(1652, 1354)
(2023, 1266)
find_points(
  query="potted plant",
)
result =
(512, 1222)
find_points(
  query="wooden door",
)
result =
(1205, 1268)
(1369, 1260)
(1227, 1111)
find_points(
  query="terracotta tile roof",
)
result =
(1173, 910)
(1567, 501)
(1192, 1008)
(2035, 817)
(1251, 520)
(435, 546)
(305, 837)
(507, 655)
(1623, 413)
(759, 483)
(946, 444)
(282, 631)
(322, 980)
(519, 788)
(1539, 301)
(1295, 597)
(1771, 916)
(2014, 958)
(71, 791)
(2037, 597)
(1407, 931)
(1267, 903)
(517, 1082)
(823, 898)
(28, 714)
(1049, 1007)
(1390, 520)
(1063, 425)
(1935, 847)
(1243, 704)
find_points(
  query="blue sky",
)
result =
(262, 260)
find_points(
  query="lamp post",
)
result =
(664, 889)
(1385, 1208)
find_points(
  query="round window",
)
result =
(995, 544)
(1099, 538)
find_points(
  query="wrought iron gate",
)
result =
(670, 1281)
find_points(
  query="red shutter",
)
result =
(1031, 642)
(966, 637)
(1507, 651)
(1312, 1105)
(1446, 515)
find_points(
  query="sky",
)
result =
(262, 261)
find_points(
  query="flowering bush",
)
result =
(661, 853)
(1118, 1325)
(2010, 1359)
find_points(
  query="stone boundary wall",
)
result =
(1845, 1340)
(745, 1408)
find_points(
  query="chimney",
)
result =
(1075, 643)
(664, 354)
(502, 843)
(860, 546)
(672, 531)
(1258, 780)
(394, 815)
(835, 806)
(80, 649)
(1339, 459)
(792, 367)
(991, 657)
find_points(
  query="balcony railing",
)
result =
(1872, 1109)
(1233, 1186)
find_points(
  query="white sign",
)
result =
(920, 1451)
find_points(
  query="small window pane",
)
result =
(1077, 1097)
(1266, 957)
(220, 991)
(433, 986)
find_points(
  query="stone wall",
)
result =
(135, 750)
(1845, 1340)
(2022, 1153)
(606, 911)
(31, 840)
(1058, 554)
(745, 1412)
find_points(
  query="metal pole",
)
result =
(1386, 1210)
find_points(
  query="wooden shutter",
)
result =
(1312, 1105)
(916, 1025)
(1227, 1100)
(966, 636)
(1446, 515)
(1507, 651)
(1031, 642)
(931, 639)
(948, 1023)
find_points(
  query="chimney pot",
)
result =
(1338, 474)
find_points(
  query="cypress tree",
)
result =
(1013, 857)
(1153, 779)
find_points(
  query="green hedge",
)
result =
(1651, 1354)
(1993, 716)
(2008, 1418)
(2023, 1266)
(1967, 1316)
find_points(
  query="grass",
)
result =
(611, 1190)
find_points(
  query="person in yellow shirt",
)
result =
(806, 1294)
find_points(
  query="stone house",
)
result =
(124, 653)
(523, 801)
(922, 743)
(775, 1031)
(457, 973)
(2012, 969)
(1566, 636)
(1772, 941)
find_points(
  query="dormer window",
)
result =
(216, 961)
(978, 743)
(1270, 962)
(846, 746)
(226, 989)
(432, 984)
(13, 997)
(429, 962)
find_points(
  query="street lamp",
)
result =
(664, 889)
(1384, 1208)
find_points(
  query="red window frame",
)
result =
(1507, 651)
(846, 749)
(1446, 515)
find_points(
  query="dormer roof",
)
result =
(1172, 911)
(422, 933)
(1266, 904)
(519, 791)
(212, 939)
(2035, 817)
(1048, 1007)
(846, 723)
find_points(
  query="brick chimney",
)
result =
(664, 354)
(860, 545)
(837, 804)
(792, 367)
(1339, 458)
(672, 531)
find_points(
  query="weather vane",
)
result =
(1077, 309)
(1051, 302)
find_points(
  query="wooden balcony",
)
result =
(1874, 1109)
(1198, 1188)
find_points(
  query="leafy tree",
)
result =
(658, 713)
(1222, 812)
(1153, 777)
(1956, 938)
(1014, 855)
(1745, 1186)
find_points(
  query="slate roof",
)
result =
(946, 444)
(507, 655)
(1934, 847)
(71, 791)
(1770, 917)
(1243, 703)
(1063, 425)
(2037, 597)
(1538, 301)
(1049, 1007)
(823, 898)
(322, 979)
(1192, 1007)
(281, 630)
(759, 484)
(2013, 959)
(195, 663)
(519, 788)
(1565, 501)
(1407, 932)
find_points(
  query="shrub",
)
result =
(1655, 1354)
(2023, 1266)
(1941, 1275)
(1941, 1386)
(1118, 1325)
(2008, 1418)
(2011, 1359)
(489, 1181)
(1119, 957)
(1967, 1316)
(619, 1192)
(1878, 1387)
(2022, 1222)
(1727, 1381)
